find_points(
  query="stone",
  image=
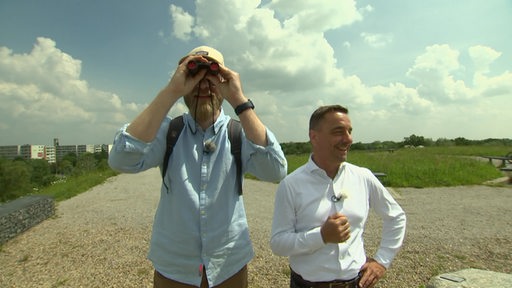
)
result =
(471, 278)
(23, 213)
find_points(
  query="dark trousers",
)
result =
(239, 280)
(296, 281)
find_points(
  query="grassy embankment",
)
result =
(74, 185)
(425, 167)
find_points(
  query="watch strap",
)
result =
(244, 106)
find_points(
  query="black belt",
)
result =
(302, 283)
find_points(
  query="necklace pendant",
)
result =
(335, 199)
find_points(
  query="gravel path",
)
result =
(100, 238)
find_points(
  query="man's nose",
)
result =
(347, 138)
(204, 84)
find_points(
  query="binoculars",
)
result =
(194, 67)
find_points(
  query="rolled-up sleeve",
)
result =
(266, 163)
(131, 155)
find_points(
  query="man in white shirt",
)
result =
(322, 207)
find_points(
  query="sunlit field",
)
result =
(425, 167)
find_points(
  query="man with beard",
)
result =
(322, 207)
(200, 234)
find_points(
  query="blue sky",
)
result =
(78, 70)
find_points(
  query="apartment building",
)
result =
(51, 156)
(49, 153)
(10, 151)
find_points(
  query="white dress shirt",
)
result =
(304, 201)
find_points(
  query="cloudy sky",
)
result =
(77, 70)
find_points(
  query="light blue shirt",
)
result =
(200, 220)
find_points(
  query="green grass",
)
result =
(424, 167)
(75, 185)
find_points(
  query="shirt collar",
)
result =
(191, 123)
(314, 169)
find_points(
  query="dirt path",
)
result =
(100, 238)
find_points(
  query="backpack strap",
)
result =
(175, 127)
(235, 137)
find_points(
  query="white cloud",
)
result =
(309, 17)
(488, 86)
(181, 22)
(289, 68)
(434, 70)
(367, 9)
(264, 43)
(42, 92)
(500, 85)
(396, 83)
(377, 40)
(483, 57)
(438, 57)
(398, 97)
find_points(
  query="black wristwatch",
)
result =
(244, 106)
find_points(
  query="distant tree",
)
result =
(389, 145)
(101, 155)
(41, 173)
(65, 167)
(14, 179)
(85, 163)
(357, 146)
(414, 140)
(296, 148)
(53, 168)
(71, 157)
(497, 142)
(443, 142)
(461, 141)
(376, 145)
(429, 142)
(103, 165)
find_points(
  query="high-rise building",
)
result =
(10, 151)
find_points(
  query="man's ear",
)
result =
(312, 136)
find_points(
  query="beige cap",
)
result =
(207, 52)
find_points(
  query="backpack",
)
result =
(234, 135)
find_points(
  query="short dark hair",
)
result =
(320, 112)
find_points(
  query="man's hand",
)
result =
(182, 82)
(228, 85)
(335, 229)
(371, 271)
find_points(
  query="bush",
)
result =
(20, 177)
(14, 179)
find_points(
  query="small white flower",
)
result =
(342, 194)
